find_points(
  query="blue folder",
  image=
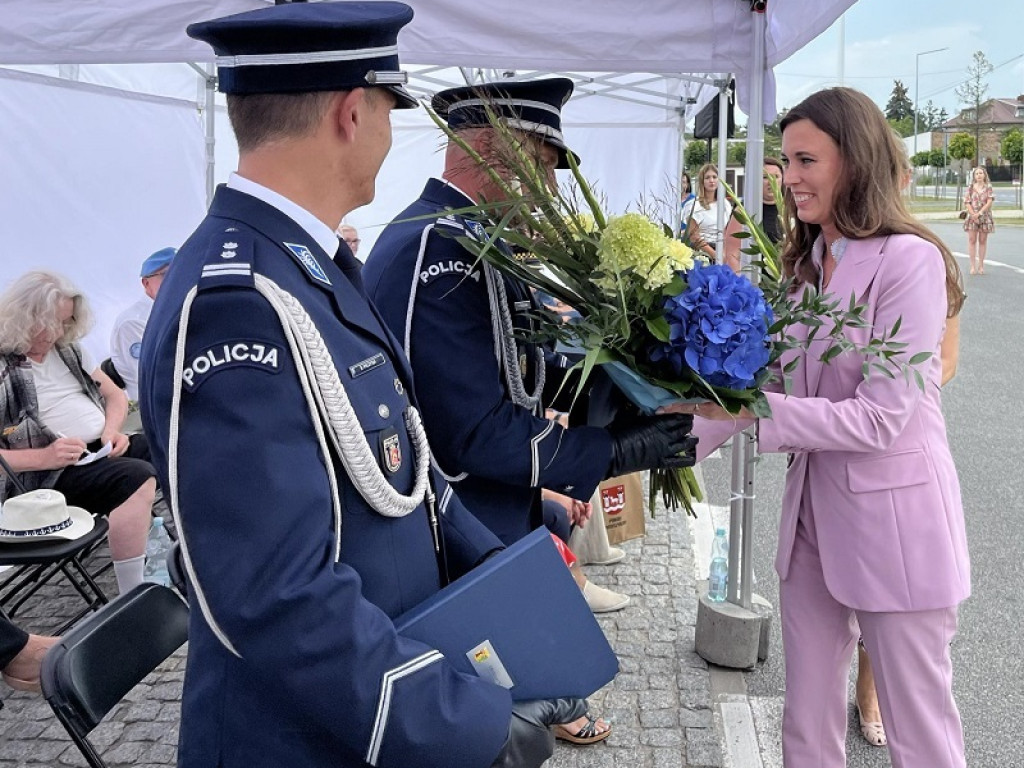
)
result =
(519, 620)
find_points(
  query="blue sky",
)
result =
(883, 36)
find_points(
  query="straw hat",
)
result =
(42, 515)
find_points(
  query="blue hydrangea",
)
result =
(719, 328)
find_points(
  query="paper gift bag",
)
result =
(622, 503)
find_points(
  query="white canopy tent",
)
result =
(97, 177)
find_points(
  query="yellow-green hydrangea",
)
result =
(633, 240)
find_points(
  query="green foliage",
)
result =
(1012, 146)
(737, 153)
(696, 154)
(921, 159)
(962, 146)
(899, 106)
(904, 126)
(569, 238)
(971, 92)
(937, 158)
(931, 118)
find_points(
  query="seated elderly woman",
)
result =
(56, 404)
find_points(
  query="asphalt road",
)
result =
(986, 432)
(1004, 195)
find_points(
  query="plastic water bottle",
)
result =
(158, 545)
(718, 576)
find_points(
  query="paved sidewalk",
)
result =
(660, 702)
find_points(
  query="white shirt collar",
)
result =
(818, 255)
(459, 190)
(324, 236)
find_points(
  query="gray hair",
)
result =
(29, 306)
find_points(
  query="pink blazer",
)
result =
(870, 457)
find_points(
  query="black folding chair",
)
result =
(107, 366)
(99, 661)
(36, 563)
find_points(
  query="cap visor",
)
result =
(404, 99)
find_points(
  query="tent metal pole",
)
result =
(677, 216)
(723, 128)
(743, 448)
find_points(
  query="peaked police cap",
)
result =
(533, 106)
(303, 47)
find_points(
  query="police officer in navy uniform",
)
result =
(461, 324)
(287, 438)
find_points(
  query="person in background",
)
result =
(126, 336)
(21, 655)
(769, 215)
(978, 201)
(702, 228)
(350, 235)
(57, 405)
(686, 203)
(464, 326)
(872, 530)
(288, 436)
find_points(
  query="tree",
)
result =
(1012, 146)
(900, 106)
(696, 153)
(930, 117)
(922, 158)
(773, 136)
(904, 126)
(737, 153)
(961, 147)
(971, 92)
(937, 158)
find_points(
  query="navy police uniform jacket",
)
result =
(293, 657)
(433, 294)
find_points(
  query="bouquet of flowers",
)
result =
(665, 325)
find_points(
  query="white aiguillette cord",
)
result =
(331, 402)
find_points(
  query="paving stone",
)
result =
(127, 752)
(659, 704)
(660, 718)
(703, 748)
(142, 711)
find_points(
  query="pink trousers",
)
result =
(910, 658)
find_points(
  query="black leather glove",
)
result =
(530, 740)
(652, 442)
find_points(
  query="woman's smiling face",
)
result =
(814, 167)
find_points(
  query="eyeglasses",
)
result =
(352, 240)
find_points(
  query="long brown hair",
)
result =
(868, 200)
(702, 195)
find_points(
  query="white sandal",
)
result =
(873, 733)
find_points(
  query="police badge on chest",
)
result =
(390, 450)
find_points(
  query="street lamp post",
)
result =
(917, 78)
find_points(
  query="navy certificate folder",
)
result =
(519, 620)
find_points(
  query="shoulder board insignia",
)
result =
(306, 258)
(229, 261)
(476, 230)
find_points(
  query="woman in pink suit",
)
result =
(872, 528)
